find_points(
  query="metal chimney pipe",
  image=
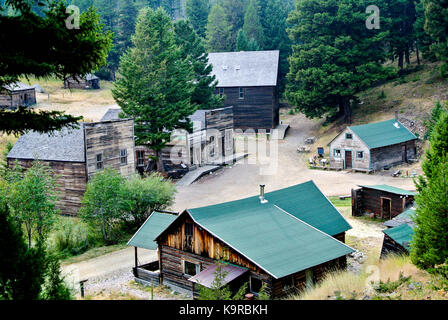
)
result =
(263, 200)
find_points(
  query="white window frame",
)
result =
(242, 91)
(360, 158)
(99, 162)
(125, 157)
(337, 156)
(198, 268)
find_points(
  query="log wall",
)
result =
(22, 98)
(370, 201)
(392, 155)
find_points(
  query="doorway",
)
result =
(348, 160)
(404, 153)
(386, 208)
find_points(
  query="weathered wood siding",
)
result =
(354, 145)
(370, 202)
(82, 84)
(108, 139)
(258, 110)
(15, 99)
(204, 249)
(391, 247)
(71, 180)
(392, 155)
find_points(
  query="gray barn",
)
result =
(373, 146)
(89, 81)
(17, 94)
(249, 82)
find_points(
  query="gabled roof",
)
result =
(111, 114)
(402, 235)
(381, 134)
(17, 86)
(65, 145)
(245, 68)
(306, 202)
(390, 189)
(153, 226)
(270, 237)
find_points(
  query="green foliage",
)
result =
(218, 32)
(382, 95)
(197, 12)
(334, 56)
(390, 286)
(241, 41)
(192, 50)
(234, 11)
(262, 295)
(55, 287)
(252, 25)
(70, 237)
(218, 290)
(156, 84)
(32, 199)
(102, 204)
(436, 112)
(142, 196)
(4, 161)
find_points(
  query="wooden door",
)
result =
(348, 159)
(404, 153)
(386, 207)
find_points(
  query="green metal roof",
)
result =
(407, 214)
(390, 189)
(381, 134)
(153, 226)
(273, 239)
(401, 235)
(306, 202)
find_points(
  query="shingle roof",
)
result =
(90, 76)
(153, 226)
(402, 235)
(17, 86)
(111, 114)
(403, 218)
(381, 134)
(65, 145)
(245, 68)
(306, 202)
(390, 189)
(271, 238)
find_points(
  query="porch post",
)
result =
(136, 263)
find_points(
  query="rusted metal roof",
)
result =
(207, 276)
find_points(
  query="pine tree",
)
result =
(429, 248)
(252, 26)
(252, 45)
(436, 24)
(193, 50)
(197, 12)
(423, 40)
(234, 11)
(334, 56)
(241, 41)
(156, 84)
(218, 32)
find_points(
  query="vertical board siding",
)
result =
(17, 98)
(392, 155)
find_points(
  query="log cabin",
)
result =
(17, 95)
(373, 146)
(249, 82)
(89, 81)
(210, 142)
(383, 201)
(397, 240)
(285, 240)
(76, 155)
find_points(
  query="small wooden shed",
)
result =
(277, 239)
(16, 95)
(373, 146)
(397, 240)
(76, 155)
(89, 81)
(384, 201)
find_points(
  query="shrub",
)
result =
(71, 237)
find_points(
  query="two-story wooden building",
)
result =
(89, 81)
(16, 95)
(249, 82)
(373, 146)
(75, 155)
(285, 240)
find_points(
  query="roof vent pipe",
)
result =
(262, 199)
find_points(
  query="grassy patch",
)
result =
(347, 202)
(93, 253)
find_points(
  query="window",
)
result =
(189, 229)
(221, 91)
(99, 161)
(140, 158)
(360, 155)
(255, 285)
(241, 96)
(212, 146)
(190, 268)
(123, 157)
(337, 153)
(348, 136)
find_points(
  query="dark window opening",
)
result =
(212, 146)
(360, 155)
(348, 136)
(99, 161)
(241, 96)
(191, 269)
(221, 91)
(189, 229)
(255, 285)
(124, 157)
(140, 158)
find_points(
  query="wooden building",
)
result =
(385, 202)
(249, 82)
(89, 81)
(211, 141)
(17, 95)
(373, 146)
(397, 240)
(75, 155)
(285, 240)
